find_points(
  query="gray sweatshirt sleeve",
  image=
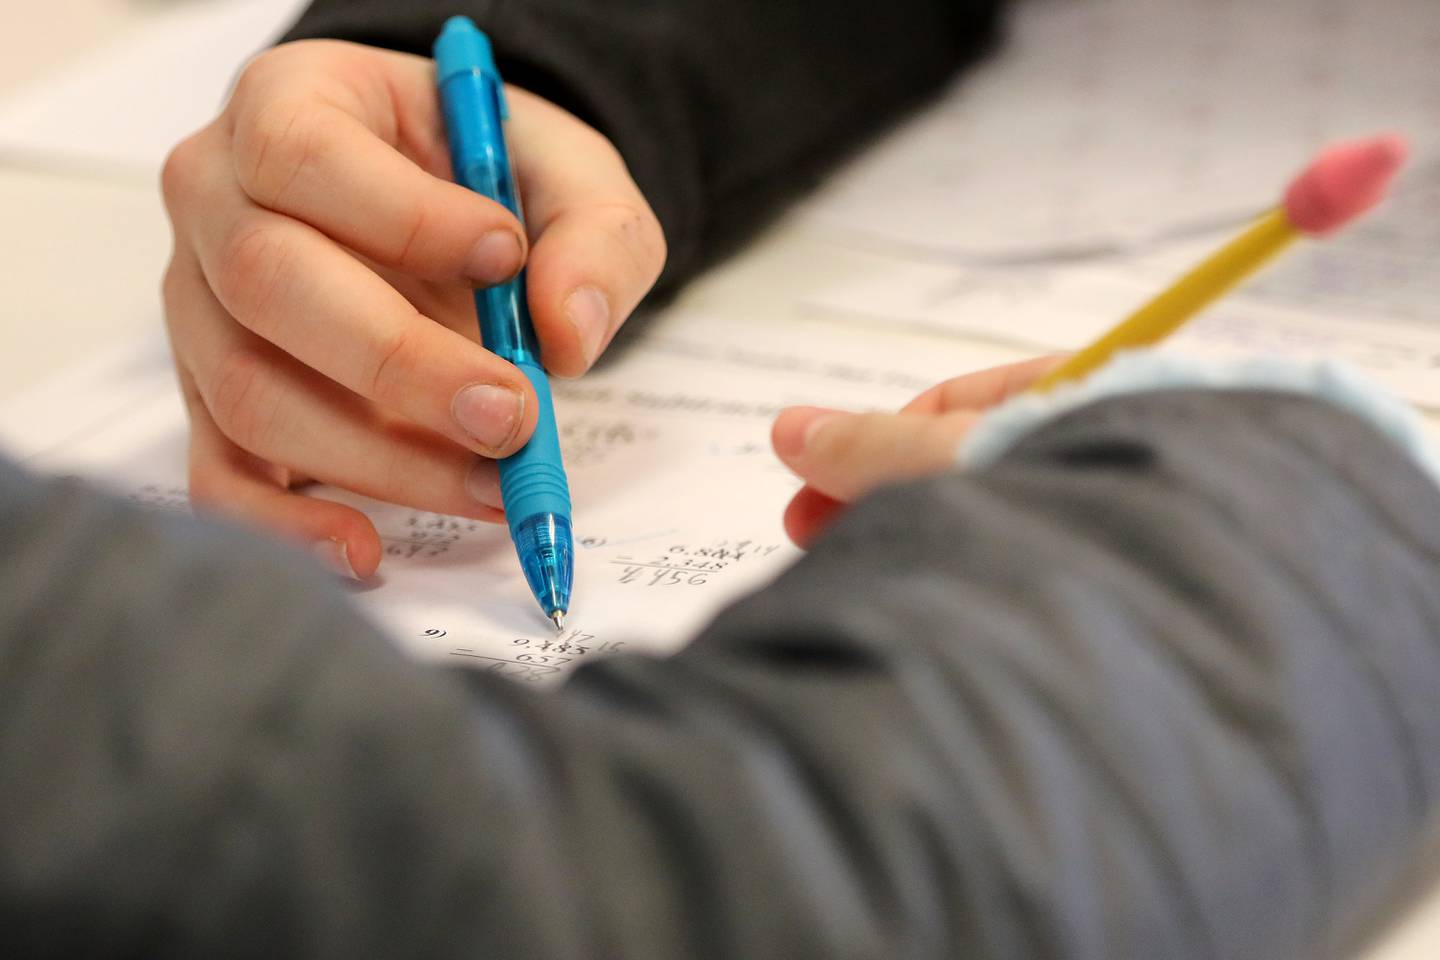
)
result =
(1159, 683)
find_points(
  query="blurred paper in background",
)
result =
(123, 109)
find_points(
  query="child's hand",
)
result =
(843, 456)
(319, 297)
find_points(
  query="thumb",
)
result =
(846, 455)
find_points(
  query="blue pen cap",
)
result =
(463, 48)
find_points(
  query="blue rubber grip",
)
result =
(532, 481)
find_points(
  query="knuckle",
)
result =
(395, 475)
(829, 440)
(269, 66)
(635, 221)
(240, 401)
(393, 363)
(605, 151)
(275, 144)
(640, 235)
(172, 291)
(253, 77)
(406, 253)
(956, 393)
(652, 239)
(286, 64)
(179, 175)
(252, 272)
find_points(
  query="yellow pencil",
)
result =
(1340, 185)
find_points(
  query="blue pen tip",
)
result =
(543, 542)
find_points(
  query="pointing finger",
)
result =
(298, 290)
(983, 389)
(325, 153)
(845, 456)
(270, 406)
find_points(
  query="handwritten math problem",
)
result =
(588, 441)
(428, 535)
(686, 565)
(531, 660)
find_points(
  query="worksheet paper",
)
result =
(1104, 124)
(677, 496)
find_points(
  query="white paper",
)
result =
(1103, 124)
(127, 106)
(677, 496)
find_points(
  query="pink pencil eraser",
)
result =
(1344, 181)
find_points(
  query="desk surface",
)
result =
(83, 255)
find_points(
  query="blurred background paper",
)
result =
(122, 109)
(1101, 125)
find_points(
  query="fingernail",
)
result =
(589, 313)
(335, 555)
(800, 425)
(495, 258)
(483, 484)
(813, 428)
(489, 413)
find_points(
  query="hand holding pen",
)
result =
(533, 486)
(320, 296)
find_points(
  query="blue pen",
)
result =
(532, 482)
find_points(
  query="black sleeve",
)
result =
(1161, 683)
(723, 109)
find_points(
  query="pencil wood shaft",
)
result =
(1221, 272)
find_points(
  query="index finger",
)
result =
(348, 139)
(983, 388)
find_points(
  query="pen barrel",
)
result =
(532, 481)
(503, 315)
(473, 105)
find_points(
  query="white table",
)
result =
(80, 256)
